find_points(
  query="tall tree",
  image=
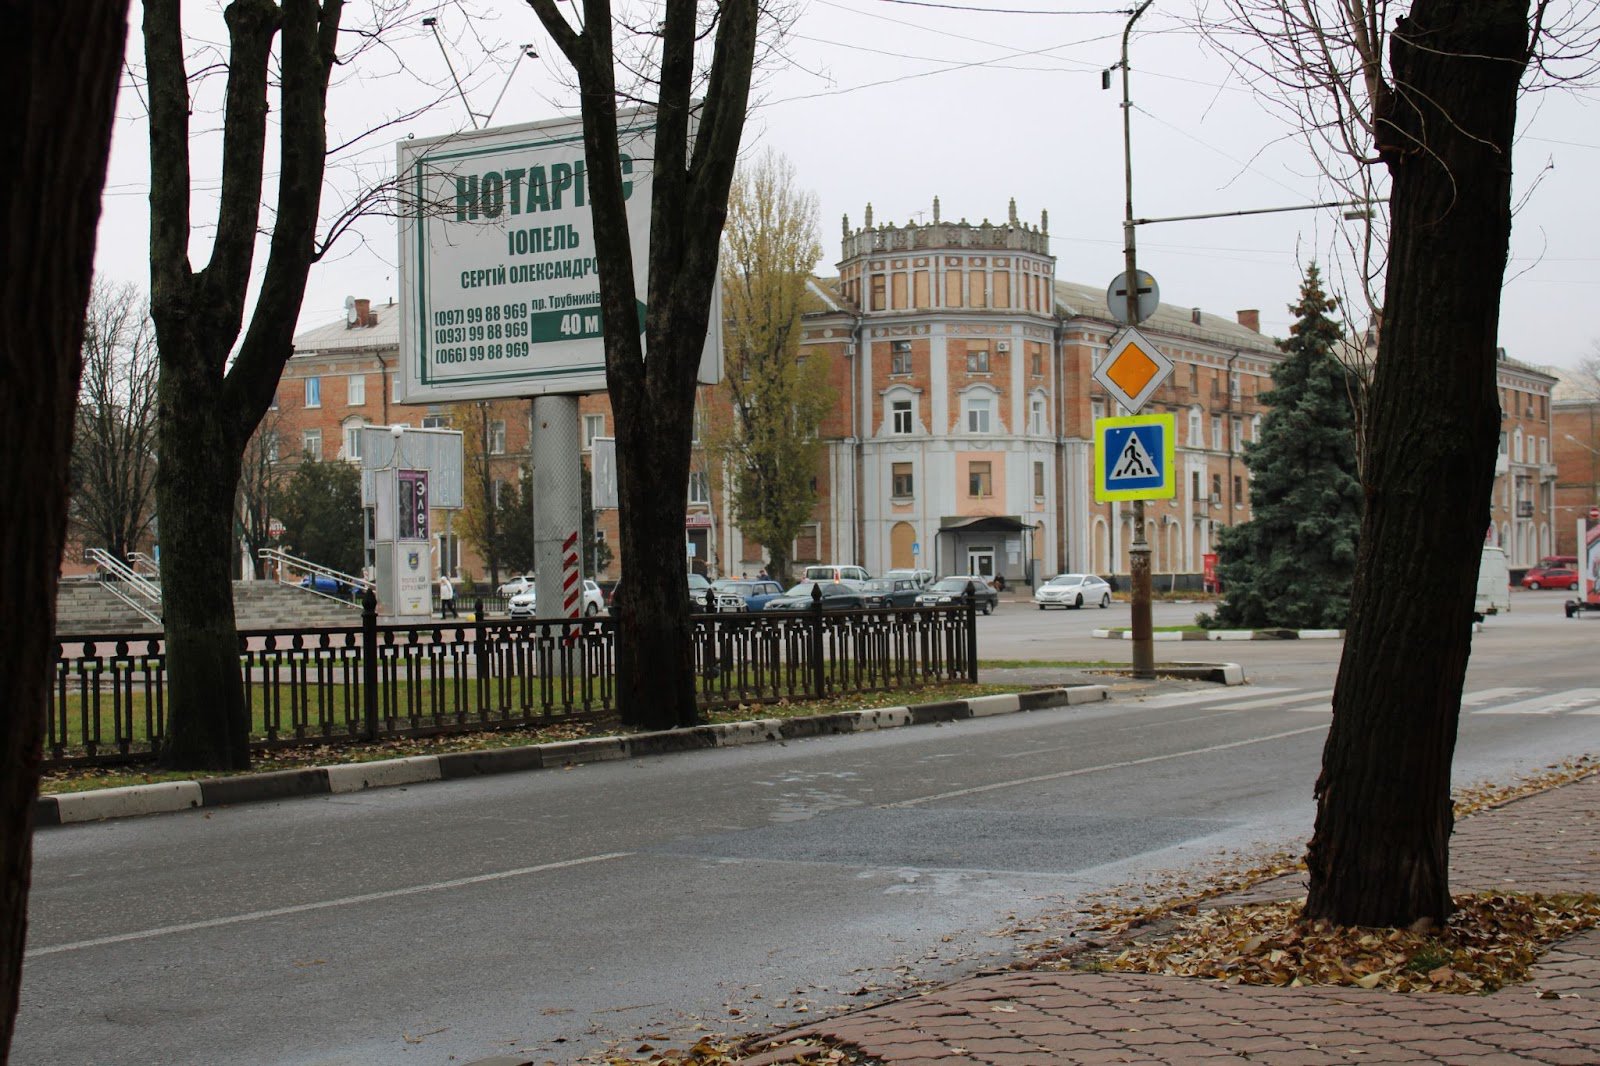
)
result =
(1292, 563)
(215, 384)
(1429, 106)
(653, 401)
(770, 444)
(1444, 122)
(113, 450)
(483, 517)
(260, 488)
(321, 511)
(58, 88)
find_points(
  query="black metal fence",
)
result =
(379, 682)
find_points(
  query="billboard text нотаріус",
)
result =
(497, 261)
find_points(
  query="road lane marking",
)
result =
(1181, 699)
(1280, 702)
(1472, 699)
(302, 908)
(1549, 703)
(1082, 770)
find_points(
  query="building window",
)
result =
(269, 442)
(1238, 432)
(877, 292)
(1195, 439)
(1036, 415)
(699, 487)
(311, 443)
(1038, 480)
(1216, 432)
(978, 362)
(902, 416)
(1216, 488)
(1238, 490)
(435, 421)
(1194, 484)
(979, 478)
(1233, 385)
(497, 437)
(1255, 427)
(313, 392)
(979, 408)
(394, 389)
(352, 440)
(593, 426)
(900, 358)
(1097, 408)
(697, 425)
(497, 489)
(356, 390)
(1038, 363)
(904, 483)
(1516, 445)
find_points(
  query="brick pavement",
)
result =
(1549, 842)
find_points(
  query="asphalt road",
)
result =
(555, 912)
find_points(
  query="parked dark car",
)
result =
(1551, 577)
(949, 590)
(736, 594)
(698, 587)
(891, 592)
(835, 597)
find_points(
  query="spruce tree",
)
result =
(1292, 564)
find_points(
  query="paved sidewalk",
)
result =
(1549, 842)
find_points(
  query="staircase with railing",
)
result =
(127, 584)
(313, 578)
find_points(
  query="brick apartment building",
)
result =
(1575, 447)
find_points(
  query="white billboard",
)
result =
(501, 290)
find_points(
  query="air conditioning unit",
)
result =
(902, 346)
(1002, 346)
(850, 349)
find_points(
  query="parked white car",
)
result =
(517, 586)
(1072, 590)
(525, 604)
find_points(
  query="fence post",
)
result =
(369, 662)
(818, 674)
(972, 632)
(480, 656)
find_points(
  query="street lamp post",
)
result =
(1139, 549)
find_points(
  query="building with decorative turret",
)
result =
(962, 438)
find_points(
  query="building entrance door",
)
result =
(980, 561)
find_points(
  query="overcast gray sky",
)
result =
(893, 103)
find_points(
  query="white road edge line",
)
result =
(302, 908)
(1059, 775)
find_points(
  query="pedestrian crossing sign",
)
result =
(1133, 458)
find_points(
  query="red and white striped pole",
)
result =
(557, 507)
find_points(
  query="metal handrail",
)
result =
(127, 584)
(305, 566)
(144, 564)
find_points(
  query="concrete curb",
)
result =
(167, 796)
(1227, 634)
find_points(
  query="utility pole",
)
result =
(1139, 551)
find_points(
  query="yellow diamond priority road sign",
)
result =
(1133, 370)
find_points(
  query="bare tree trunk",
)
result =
(58, 86)
(195, 498)
(1380, 853)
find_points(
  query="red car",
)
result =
(1551, 577)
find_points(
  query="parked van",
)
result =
(849, 575)
(1494, 583)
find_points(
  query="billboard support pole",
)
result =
(557, 507)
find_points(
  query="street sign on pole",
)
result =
(1133, 458)
(1133, 370)
(1147, 297)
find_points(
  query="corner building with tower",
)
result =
(962, 436)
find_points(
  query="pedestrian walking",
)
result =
(447, 598)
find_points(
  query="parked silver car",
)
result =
(1072, 591)
(525, 604)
